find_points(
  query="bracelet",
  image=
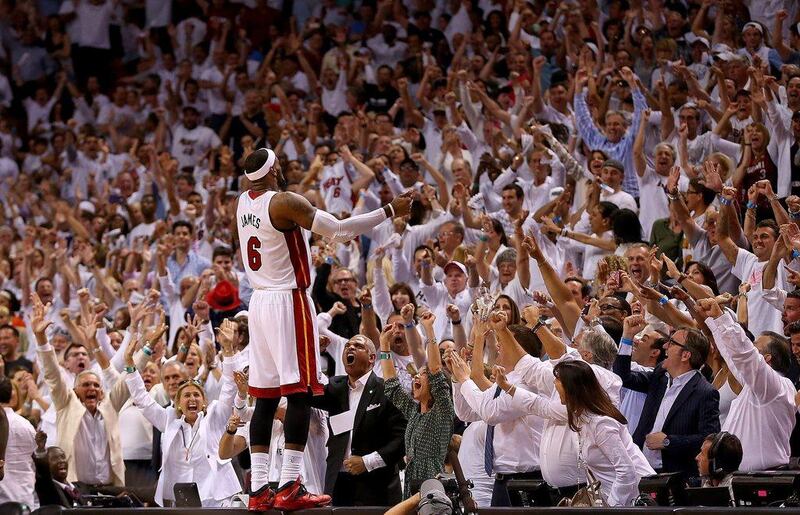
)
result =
(626, 341)
(239, 408)
(147, 350)
(564, 232)
(130, 370)
(773, 198)
(329, 260)
(385, 355)
(429, 341)
(483, 238)
(98, 350)
(751, 204)
(725, 202)
(682, 278)
(538, 326)
(794, 214)
(409, 325)
(230, 432)
(366, 306)
(557, 219)
(391, 208)
(795, 253)
(456, 322)
(183, 348)
(663, 300)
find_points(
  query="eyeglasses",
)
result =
(605, 307)
(671, 341)
(690, 192)
(344, 280)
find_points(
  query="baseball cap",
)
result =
(433, 500)
(86, 206)
(456, 264)
(692, 38)
(613, 163)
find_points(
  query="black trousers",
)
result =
(501, 497)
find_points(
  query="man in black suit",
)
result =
(681, 407)
(52, 486)
(363, 463)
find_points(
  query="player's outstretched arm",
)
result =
(288, 210)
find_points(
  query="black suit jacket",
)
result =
(47, 490)
(380, 429)
(693, 416)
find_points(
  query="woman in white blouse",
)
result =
(191, 430)
(605, 446)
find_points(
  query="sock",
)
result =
(292, 460)
(259, 470)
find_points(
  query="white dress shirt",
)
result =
(673, 390)
(516, 434)
(604, 446)
(559, 446)
(762, 415)
(20, 476)
(372, 460)
(92, 455)
(470, 455)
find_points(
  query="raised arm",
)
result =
(639, 160)
(288, 210)
(727, 215)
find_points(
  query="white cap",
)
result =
(241, 314)
(692, 38)
(87, 206)
(265, 168)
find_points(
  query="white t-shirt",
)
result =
(761, 315)
(654, 198)
(93, 24)
(216, 101)
(621, 199)
(189, 146)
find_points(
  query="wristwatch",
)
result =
(666, 442)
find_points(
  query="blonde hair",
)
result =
(184, 385)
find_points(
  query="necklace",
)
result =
(191, 442)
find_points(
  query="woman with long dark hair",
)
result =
(605, 446)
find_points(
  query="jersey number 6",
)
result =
(253, 255)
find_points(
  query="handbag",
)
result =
(589, 496)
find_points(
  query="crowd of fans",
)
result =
(597, 279)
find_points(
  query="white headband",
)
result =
(265, 168)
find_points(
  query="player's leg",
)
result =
(299, 377)
(264, 382)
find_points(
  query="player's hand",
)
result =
(402, 203)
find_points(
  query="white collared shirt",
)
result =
(763, 414)
(20, 476)
(559, 446)
(670, 395)
(372, 460)
(516, 434)
(92, 456)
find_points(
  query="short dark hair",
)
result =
(221, 251)
(794, 327)
(724, 455)
(516, 188)
(6, 389)
(182, 223)
(778, 348)
(697, 344)
(707, 193)
(769, 223)
(527, 339)
(586, 288)
(12, 328)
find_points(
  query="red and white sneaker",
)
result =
(262, 499)
(294, 496)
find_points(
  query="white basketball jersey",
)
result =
(273, 259)
(337, 190)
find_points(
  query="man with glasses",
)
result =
(343, 288)
(681, 407)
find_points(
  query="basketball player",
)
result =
(284, 346)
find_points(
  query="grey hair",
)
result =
(602, 347)
(175, 363)
(368, 342)
(670, 147)
(84, 373)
